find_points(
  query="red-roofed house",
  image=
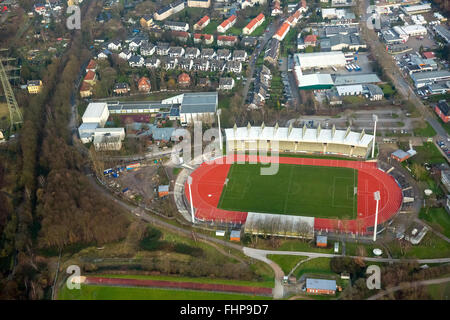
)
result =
(255, 23)
(227, 24)
(85, 90)
(92, 66)
(207, 38)
(90, 77)
(226, 40)
(428, 55)
(303, 6)
(203, 22)
(282, 31)
(184, 79)
(181, 35)
(144, 84)
(310, 40)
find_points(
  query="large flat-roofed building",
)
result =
(442, 110)
(195, 106)
(314, 81)
(106, 139)
(422, 79)
(443, 32)
(320, 60)
(415, 9)
(349, 79)
(299, 140)
(96, 112)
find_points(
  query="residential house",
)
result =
(90, 77)
(167, 11)
(226, 40)
(203, 22)
(250, 42)
(104, 54)
(253, 24)
(134, 45)
(34, 86)
(276, 8)
(200, 65)
(217, 65)
(271, 54)
(208, 53)
(234, 66)
(239, 55)
(92, 66)
(227, 24)
(121, 88)
(185, 63)
(144, 84)
(148, 49)
(282, 31)
(192, 53)
(224, 54)
(85, 90)
(170, 63)
(207, 38)
(176, 26)
(184, 80)
(136, 61)
(442, 110)
(176, 52)
(310, 40)
(226, 83)
(115, 45)
(181, 35)
(125, 54)
(204, 82)
(162, 48)
(152, 63)
(199, 3)
(146, 21)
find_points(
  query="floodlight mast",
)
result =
(377, 198)
(189, 181)
(375, 119)
(219, 111)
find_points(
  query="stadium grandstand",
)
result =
(299, 140)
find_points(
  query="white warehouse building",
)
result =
(96, 112)
(321, 60)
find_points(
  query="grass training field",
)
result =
(93, 292)
(324, 192)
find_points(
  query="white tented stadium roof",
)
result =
(299, 134)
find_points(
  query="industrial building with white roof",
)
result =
(299, 140)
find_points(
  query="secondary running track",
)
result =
(209, 180)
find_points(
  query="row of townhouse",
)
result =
(290, 22)
(261, 89)
(168, 10)
(199, 64)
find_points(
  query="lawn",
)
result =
(438, 218)
(427, 153)
(91, 292)
(285, 262)
(431, 247)
(316, 266)
(4, 116)
(326, 192)
(439, 291)
(264, 284)
(428, 131)
(211, 27)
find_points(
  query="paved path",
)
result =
(409, 285)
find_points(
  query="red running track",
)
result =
(209, 179)
(178, 285)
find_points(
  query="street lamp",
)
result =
(189, 181)
(375, 119)
(219, 111)
(377, 198)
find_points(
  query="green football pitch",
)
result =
(323, 192)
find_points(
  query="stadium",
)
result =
(307, 195)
